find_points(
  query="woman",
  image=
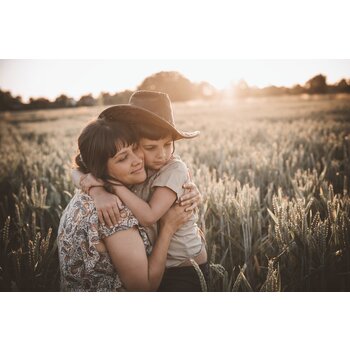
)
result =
(94, 257)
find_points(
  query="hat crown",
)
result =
(155, 102)
(150, 107)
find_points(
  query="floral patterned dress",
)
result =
(82, 267)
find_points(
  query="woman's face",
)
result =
(127, 166)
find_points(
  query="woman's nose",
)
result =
(137, 157)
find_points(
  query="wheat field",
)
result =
(273, 173)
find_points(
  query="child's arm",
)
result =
(85, 181)
(147, 213)
(168, 186)
(77, 176)
(106, 203)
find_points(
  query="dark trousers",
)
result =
(183, 279)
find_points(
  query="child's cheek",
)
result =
(148, 159)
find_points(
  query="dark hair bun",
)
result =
(80, 163)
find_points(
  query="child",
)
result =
(166, 174)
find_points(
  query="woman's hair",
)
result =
(99, 141)
(152, 131)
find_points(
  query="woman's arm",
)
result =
(147, 213)
(127, 251)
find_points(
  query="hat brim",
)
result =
(133, 114)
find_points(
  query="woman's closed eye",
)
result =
(122, 158)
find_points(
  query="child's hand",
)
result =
(191, 198)
(107, 205)
(174, 218)
(87, 181)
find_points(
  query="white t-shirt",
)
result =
(186, 243)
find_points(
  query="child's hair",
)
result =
(152, 131)
(99, 141)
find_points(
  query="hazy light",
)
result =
(50, 78)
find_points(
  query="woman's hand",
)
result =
(107, 205)
(88, 181)
(191, 198)
(174, 218)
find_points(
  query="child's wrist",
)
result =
(117, 186)
(82, 179)
(93, 190)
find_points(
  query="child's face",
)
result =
(156, 153)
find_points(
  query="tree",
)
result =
(122, 97)
(343, 86)
(64, 101)
(39, 103)
(173, 83)
(273, 91)
(317, 84)
(86, 100)
(297, 90)
(105, 99)
(205, 91)
(241, 89)
(8, 102)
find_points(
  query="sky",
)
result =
(49, 78)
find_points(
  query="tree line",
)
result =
(178, 87)
(315, 85)
(175, 84)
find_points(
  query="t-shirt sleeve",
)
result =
(128, 221)
(172, 176)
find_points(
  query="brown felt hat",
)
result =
(148, 106)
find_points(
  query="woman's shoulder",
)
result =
(82, 201)
(80, 211)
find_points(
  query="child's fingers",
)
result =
(189, 202)
(185, 197)
(191, 207)
(192, 196)
(112, 217)
(100, 217)
(116, 214)
(106, 218)
(188, 185)
(119, 204)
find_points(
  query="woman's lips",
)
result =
(137, 171)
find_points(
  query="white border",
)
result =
(171, 30)
(181, 29)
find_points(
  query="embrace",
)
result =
(131, 225)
